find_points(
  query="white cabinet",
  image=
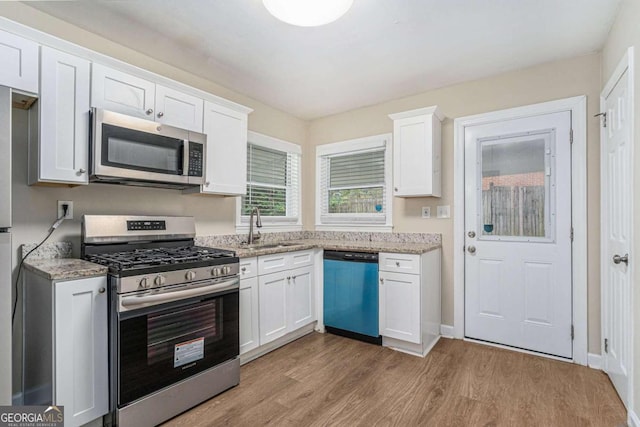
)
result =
(66, 346)
(249, 311)
(121, 92)
(226, 161)
(60, 147)
(410, 301)
(124, 93)
(286, 293)
(19, 59)
(417, 170)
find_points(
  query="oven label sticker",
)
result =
(188, 352)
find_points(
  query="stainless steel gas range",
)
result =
(174, 314)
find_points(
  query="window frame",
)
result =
(349, 222)
(269, 223)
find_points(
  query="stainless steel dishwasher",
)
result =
(351, 295)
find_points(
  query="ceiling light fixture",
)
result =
(307, 13)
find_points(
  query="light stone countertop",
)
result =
(335, 245)
(65, 268)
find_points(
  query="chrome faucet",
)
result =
(251, 239)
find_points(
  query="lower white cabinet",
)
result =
(66, 346)
(410, 301)
(302, 308)
(249, 310)
(274, 296)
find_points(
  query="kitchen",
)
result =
(578, 75)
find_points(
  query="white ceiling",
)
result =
(380, 50)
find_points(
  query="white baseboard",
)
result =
(446, 331)
(633, 419)
(594, 361)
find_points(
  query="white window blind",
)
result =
(272, 183)
(354, 187)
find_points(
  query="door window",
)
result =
(515, 191)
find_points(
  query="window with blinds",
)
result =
(272, 183)
(354, 183)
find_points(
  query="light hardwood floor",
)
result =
(323, 379)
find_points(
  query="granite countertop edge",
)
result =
(65, 268)
(336, 245)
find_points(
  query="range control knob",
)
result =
(159, 280)
(226, 270)
(190, 275)
(144, 283)
(215, 271)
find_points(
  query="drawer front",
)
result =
(274, 263)
(301, 259)
(248, 267)
(400, 263)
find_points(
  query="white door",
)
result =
(178, 109)
(518, 233)
(121, 92)
(273, 301)
(19, 68)
(249, 312)
(400, 306)
(301, 303)
(616, 203)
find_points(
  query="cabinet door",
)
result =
(416, 156)
(249, 312)
(400, 306)
(81, 363)
(272, 296)
(19, 59)
(301, 301)
(121, 92)
(178, 109)
(226, 163)
(64, 119)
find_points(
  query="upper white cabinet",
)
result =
(178, 109)
(121, 92)
(124, 93)
(19, 63)
(226, 157)
(62, 141)
(417, 152)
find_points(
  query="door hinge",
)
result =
(606, 345)
(573, 335)
(571, 234)
(604, 118)
(571, 136)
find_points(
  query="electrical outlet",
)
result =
(426, 212)
(444, 211)
(69, 214)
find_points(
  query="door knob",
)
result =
(471, 234)
(471, 249)
(102, 290)
(617, 259)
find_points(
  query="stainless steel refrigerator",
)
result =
(5, 246)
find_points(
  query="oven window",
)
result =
(165, 346)
(131, 149)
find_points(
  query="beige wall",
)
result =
(624, 34)
(35, 207)
(577, 76)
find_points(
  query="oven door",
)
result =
(160, 345)
(129, 148)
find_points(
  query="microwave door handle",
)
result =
(185, 158)
(130, 302)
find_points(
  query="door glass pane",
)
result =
(514, 187)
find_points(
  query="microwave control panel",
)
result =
(196, 159)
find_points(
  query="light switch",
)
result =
(444, 211)
(426, 212)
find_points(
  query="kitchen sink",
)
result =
(256, 246)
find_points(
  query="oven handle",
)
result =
(130, 302)
(185, 157)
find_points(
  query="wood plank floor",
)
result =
(323, 379)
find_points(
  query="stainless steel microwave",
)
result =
(132, 151)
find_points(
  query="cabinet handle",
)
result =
(149, 112)
(206, 184)
(293, 277)
(397, 263)
(81, 170)
(381, 281)
(160, 114)
(243, 269)
(288, 278)
(101, 290)
(396, 188)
